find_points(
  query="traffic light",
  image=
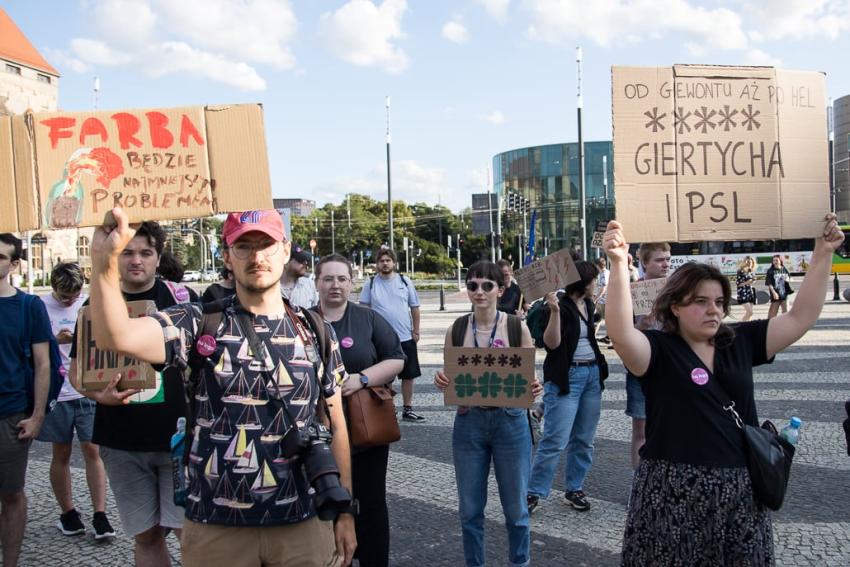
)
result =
(460, 242)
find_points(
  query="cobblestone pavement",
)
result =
(813, 528)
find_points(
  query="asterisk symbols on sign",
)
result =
(462, 360)
(503, 359)
(704, 116)
(475, 359)
(515, 361)
(750, 117)
(654, 119)
(489, 360)
(680, 120)
(726, 118)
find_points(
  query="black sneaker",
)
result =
(102, 527)
(70, 523)
(533, 502)
(408, 415)
(577, 500)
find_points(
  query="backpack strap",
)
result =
(179, 292)
(514, 331)
(26, 343)
(459, 329)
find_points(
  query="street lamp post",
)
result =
(203, 246)
(389, 182)
(605, 183)
(583, 212)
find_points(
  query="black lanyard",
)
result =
(492, 333)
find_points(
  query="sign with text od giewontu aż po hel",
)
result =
(500, 377)
(68, 169)
(719, 153)
(96, 367)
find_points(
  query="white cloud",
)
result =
(215, 39)
(496, 118)
(364, 34)
(63, 60)
(798, 19)
(759, 57)
(455, 31)
(498, 9)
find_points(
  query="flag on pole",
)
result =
(529, 257)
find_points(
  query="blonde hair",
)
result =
(748, 263)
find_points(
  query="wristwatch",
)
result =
(364, 380)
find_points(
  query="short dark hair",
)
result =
(334, 258)
(386, 252)
(586, 272)
(11, 240)
(505, 264)
(67, 277)
(154, 233)
(679, 290)
(170, 267)
(485, 269)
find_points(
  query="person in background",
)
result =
(20, 423)
(744, 280)
(512, 300)
(372, 356)
(692, 501)
(170, 268)
(599, 293)
(394, 296)
(633, 271)
(572, 391)
(484, 434)
(225, 287)
(777, 279)
(654, 258)
(73, 413)
(295, 284)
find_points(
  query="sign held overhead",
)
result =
(68, 169)
(719, 153)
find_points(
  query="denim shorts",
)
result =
(635, 400)
(67, 417)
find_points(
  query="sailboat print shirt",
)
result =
(237, 474)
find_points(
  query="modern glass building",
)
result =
(547, 176)
(841, 153)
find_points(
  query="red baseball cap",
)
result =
(268, 222)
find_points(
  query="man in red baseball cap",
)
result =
(261, 368)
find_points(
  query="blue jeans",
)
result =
(569, 422)
(503, 436)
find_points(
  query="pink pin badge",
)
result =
(205, 345)
(498, 343)
(347, 342)
(699, 376)
(182, 294)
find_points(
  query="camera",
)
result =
(313, 443)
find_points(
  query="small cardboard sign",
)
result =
(707, 152)
(599, 234)
(644, 293)
(499, 377)
(96, 367)
(68, 169)
(551, 273)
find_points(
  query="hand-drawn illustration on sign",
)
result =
(719, 153)
(499, 377)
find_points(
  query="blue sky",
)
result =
(467, 78)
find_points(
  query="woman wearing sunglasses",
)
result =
(485, 434)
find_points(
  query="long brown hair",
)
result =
(680, 289)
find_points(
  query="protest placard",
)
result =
(644, 293)
(598, 233)
(500, 377)
(68, 169)
(96, 367)
(550, 273)
(719, 153)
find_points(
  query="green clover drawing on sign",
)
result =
(515, 386)
(464, 385)
(489, 385)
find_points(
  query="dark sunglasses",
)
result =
(486, 286)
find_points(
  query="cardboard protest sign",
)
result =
(67, 169)
(96, 367)
(719, 153)
(550, 273)
(599, 234)
(499, 377)
(644, 293)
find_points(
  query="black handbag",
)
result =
(768, 459)
(788, 289)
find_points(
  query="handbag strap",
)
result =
(718, 392)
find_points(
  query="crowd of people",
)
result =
(264, 364)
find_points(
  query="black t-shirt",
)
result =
(216, 291)
(365, 338)
(150, 419)
(511, 299)
(685, 420)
